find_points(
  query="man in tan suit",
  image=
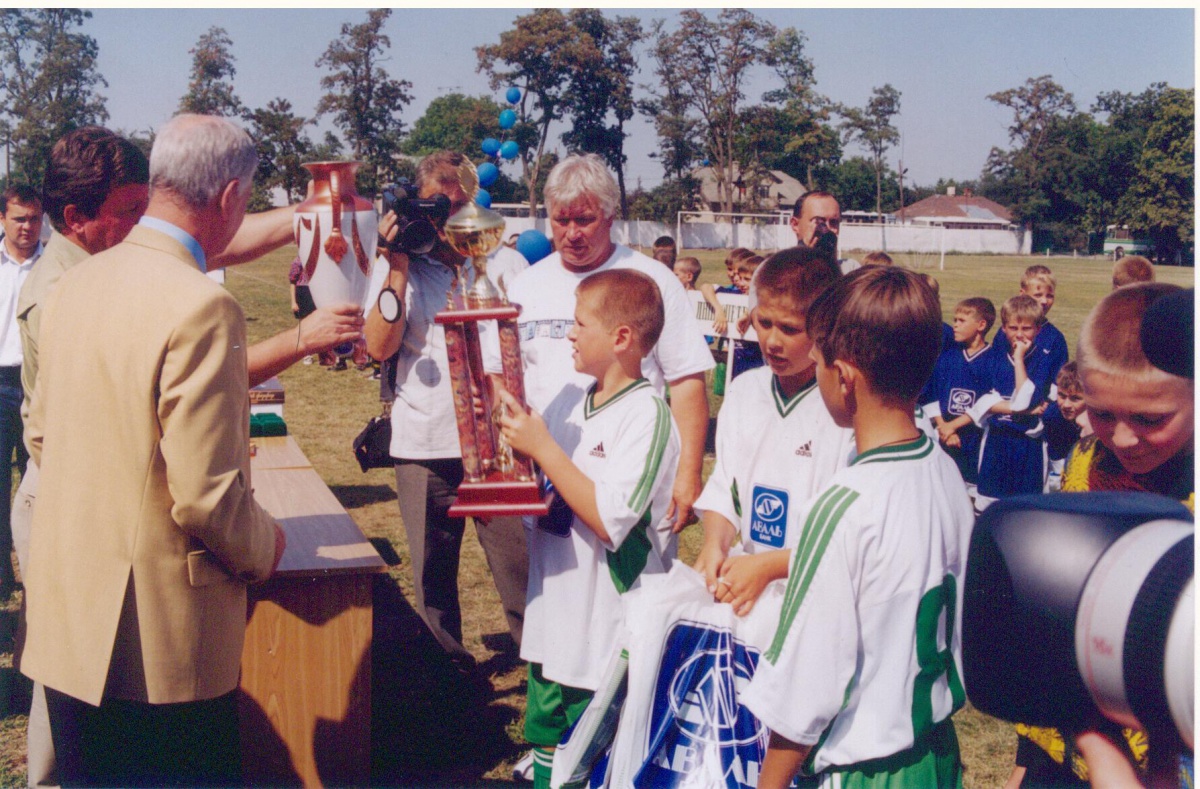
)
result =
(146, 532)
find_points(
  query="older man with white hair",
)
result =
(582, 199)
(146, 532)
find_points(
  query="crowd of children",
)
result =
(824, 480)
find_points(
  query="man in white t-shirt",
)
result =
(425, 442)
(582, 199)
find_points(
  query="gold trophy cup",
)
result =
(496, 481)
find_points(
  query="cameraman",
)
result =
(817, 216)
(425, 443)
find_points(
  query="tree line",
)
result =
(1066, 173)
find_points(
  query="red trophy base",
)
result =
(499, 497)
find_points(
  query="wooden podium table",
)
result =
(306, 665)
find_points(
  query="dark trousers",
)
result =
(129, 743)
(425, 490)
(11, 444)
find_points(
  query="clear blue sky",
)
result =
(943, 61)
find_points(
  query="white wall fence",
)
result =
(893, 238)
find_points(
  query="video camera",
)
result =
(825, 240)
(1081, 606)
(418, 219)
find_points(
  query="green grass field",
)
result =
(476, 741)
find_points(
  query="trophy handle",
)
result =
(335, 245)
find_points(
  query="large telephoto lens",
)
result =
(1079, 607)
(1135, 631)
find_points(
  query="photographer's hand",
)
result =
(1107, 766)
(389, 226)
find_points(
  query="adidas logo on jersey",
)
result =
(805, 449)
(598, 451)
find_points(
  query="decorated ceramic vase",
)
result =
(336, 231)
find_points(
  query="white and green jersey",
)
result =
(629, 448)
(868, 656)
(773, 455)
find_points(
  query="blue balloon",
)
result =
(508, 119)
(490, 146)
(488, 173)
(483, 198)
(534, 245)
(509, 150)
(513, 95)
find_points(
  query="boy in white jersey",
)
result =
(612, 459)
(864, 671)
(777, 445)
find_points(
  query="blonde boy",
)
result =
(956, 385)
(776, 443)
(1143, 420)
(864, 672)
(744, 272)
(687, 270)
(612, 460)
(1012, 458)
(1038, 283)
(1143, 417)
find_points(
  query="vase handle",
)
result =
(336, 246)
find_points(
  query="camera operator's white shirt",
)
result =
(878, 569)
(423, 423)
(546, 294)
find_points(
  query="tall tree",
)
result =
(1036, 107)
(872, 127)
(364, 100)
(49, 79)
(1161, 199)
(799, 115)
(702, 68)
(679, 137)
(598, 92)
(454, 122)
(539, 55)
(282, 147)
(210, 90)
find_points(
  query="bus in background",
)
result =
(1122, 239)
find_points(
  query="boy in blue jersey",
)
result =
(956, 385)
(1012, 456)
(1038, 283)
(864, 672)
(612, 459)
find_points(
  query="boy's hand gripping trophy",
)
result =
(497, 482)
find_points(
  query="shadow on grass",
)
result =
(430, 725)
(383, 546)
(353, 496)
